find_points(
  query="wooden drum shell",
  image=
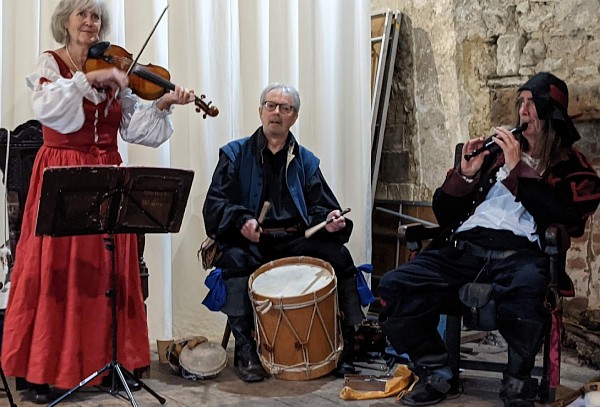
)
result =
(298, 336)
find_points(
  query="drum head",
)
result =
(291, 279)
(206, 360)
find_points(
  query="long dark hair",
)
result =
(550, 148)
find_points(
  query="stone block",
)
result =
(394, 167)
(509, 54)
(592, 51)
(586, 72)
(503, 106)
(533, 52)
(584, 100)
(550, 65)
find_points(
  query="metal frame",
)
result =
(382, 90)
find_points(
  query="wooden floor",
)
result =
(481, 389)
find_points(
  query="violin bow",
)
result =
(116, 94)
(147, 39)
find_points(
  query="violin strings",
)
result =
(123, 60)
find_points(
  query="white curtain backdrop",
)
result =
(228, 50)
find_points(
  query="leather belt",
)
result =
(292, 229)
(483, 252)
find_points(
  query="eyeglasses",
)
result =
(284, 108)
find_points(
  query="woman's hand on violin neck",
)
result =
(112, 78)
(179, 96)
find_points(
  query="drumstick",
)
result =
(311, 231)
(263, 213)
(320, 274)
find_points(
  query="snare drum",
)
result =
(296, 317)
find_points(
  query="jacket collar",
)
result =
(260, 143)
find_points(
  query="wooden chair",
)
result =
(557, 243)
(24, 143)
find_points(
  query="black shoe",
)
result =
(42, 393)
(247, 364)
(423, 394)
(250, 373)
(44, 398)
(518, 392)
(518, 403)
(430, 389)
(344, 368)
(132, 384)
(457, 387)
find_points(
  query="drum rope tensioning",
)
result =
(296, 317)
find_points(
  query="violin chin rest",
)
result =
(97, 50)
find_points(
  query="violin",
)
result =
(146, 81)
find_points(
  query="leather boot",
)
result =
(418, 337)
(352, 315)
(524, 338)
(349, 302)
(518, 392)
(246, 362)
(346, 362)
(433, 386)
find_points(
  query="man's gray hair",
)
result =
(290, 90)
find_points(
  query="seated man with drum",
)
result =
(270, 172)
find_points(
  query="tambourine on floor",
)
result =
(296, 316)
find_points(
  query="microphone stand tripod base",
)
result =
(117, 371)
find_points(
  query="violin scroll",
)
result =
(209, 110)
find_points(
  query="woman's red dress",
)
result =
(57, 328)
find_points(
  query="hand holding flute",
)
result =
(491, 146)
(474, 151)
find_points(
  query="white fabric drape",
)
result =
(228, 50)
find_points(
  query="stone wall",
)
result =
(458, 66)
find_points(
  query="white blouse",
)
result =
(58, 104)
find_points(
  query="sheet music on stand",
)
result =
(85, 200)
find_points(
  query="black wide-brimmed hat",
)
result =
(551, 98)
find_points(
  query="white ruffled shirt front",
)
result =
(501, 211)
(58, 104)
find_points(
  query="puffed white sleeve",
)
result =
(144, 123)
(57, 102)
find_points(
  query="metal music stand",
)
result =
(88, 200)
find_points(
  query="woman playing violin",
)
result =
(57, 327)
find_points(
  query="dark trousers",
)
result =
(240, 259)
(414, 295)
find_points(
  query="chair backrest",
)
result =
(24, 143)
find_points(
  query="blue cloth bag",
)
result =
(364, 292)
(215, 299)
